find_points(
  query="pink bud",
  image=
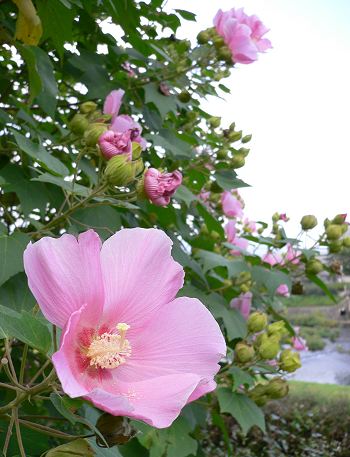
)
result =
(115, 143)
(299, 344)
(160, 187)
(231, 206)
(123, 123)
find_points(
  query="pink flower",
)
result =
(283, 290)
(243, 304)
(292, 256)
(204, 195)
(127, 344)
(127, 67)
(249, 226)
(115, 143)
(299, 344)
(125, 123)
(243, 34)
(231, 206)
(231, 234)
(230, 230)
(160, 187)
(272, 258)
(283, 217)
(113, 102)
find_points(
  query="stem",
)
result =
(8, 355)
(9, 386)
(48, 430)
(40, 371)
(18, 433)
(54, 335)
(23, 363)
(8, 434)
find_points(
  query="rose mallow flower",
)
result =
(242, 303)
(242, 34)
(160, 187)
(272, 258)
(231, 206)
(115, 143)
(125, 123)
(299, 344)
(282, 290)
(292, 255)
(231, 234)
(127, 345)
(113, 102)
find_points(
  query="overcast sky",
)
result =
(295, 101)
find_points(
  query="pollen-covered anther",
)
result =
(110, 350)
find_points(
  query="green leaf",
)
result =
(79, 447)
(57, 21)
(66, 185)
(37, 152)
(187, 15)
(211, 222)
(270, 278)
(212, 260)
(104, 219)
(318, 281)
(25, 327)
(242, 408)
(11, 255)
(184, 194)
(163, 103)
(47, 98)
(234, 322)
(240, 377)
(15, 294)
(227, 179)
(34, 77)
(172, 144)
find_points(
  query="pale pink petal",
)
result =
(139, 274)
(156, 401)
(64, 274)
(181, 337)
(113, 102)
(202, 389)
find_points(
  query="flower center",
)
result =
(109, 350)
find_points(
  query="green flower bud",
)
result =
(326, 223)
(221, 154)
(244, 288)
(308, 222)
(238, 161)
(244, 352)
(344, 228)
(137, 166)
(78, 124)
(269, 346)
(246, 138)
(235, 136)
(257, 321)
(93, 133)
(259, 394)
(244, 151)
(119, 170)
(289, 361)
(88, 107)
(214, 121)
(225, 54)
(136, 150)
(335, 246)
(184, 96)
(275, 217)
(314, 266)
(333, 232)
(203, 37)
(339, 219)
(277, 328)
(346, 242)
(218, 42)
(277, 388)
(192, 115)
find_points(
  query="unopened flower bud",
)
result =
(225, 54)
(308, 222)
(184, 96)
(221, 154)
(88, 107)
(344, 228)
(339, 219)
(257, 321)
(218, 42)
(245, 287)
(326, 223)
(78, 124)
(333, 232)
(238, 161)
(346, 242)
(93, 133)
(244, 151)
(244, 352)
(235, 136)
(203, 37)
(335, 246)
(289, 361)
(214, 121)
(269, 346)
(259, 394)
(277, 328)
(246, 138)
(119, 170)
(138, 166)
(314, 266)
(277, 388)
(136, 150)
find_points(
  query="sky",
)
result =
(295, 100)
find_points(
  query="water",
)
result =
(328, 366)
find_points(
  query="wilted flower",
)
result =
(231, 206)
(160, 187)
(127, 344)
(125, 123)
(115, 143)
(242, 34)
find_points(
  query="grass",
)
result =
(300, 301)
(324, 393)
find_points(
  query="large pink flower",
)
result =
(231, 206)
(127, 344)
(160, 187)
(115, 143)
(125, 123)
(243, 34)
(113, 102)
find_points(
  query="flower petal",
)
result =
(181, 337)
(157, 401)
(139, 275)
(65, 273)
